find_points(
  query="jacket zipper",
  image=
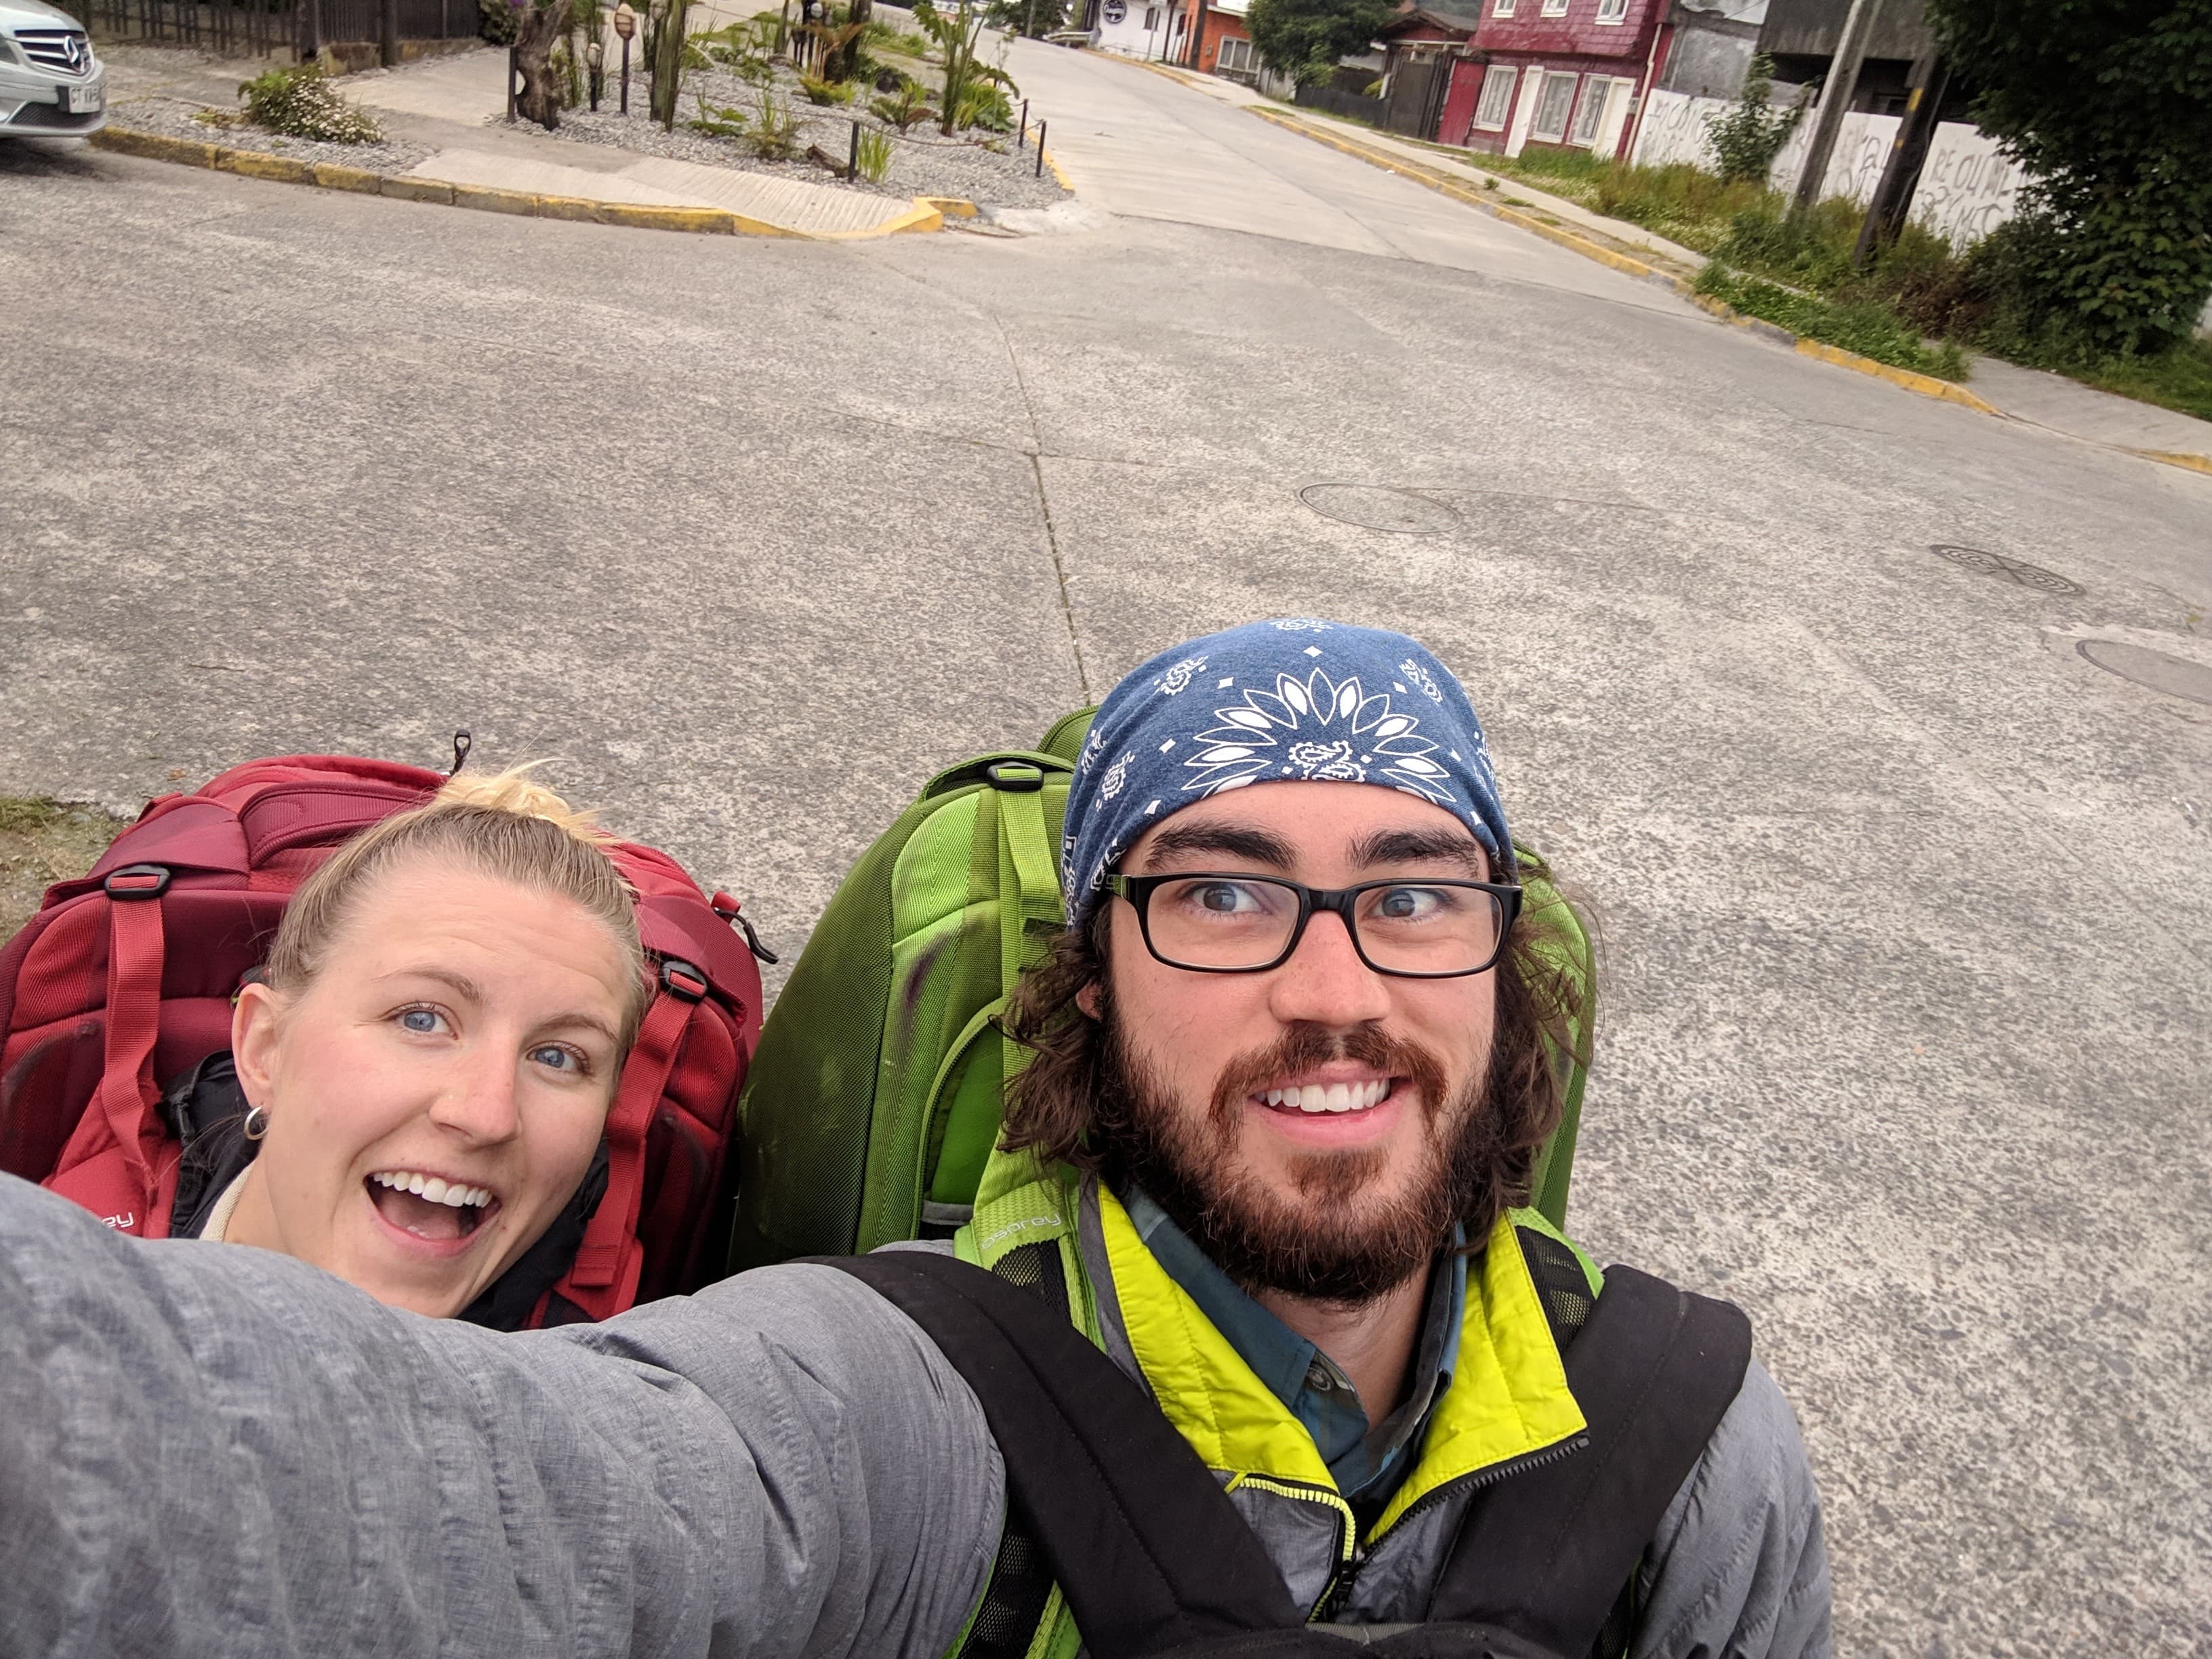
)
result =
(1356, 1557)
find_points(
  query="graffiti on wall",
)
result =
(1968, 187)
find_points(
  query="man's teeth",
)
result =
(433, 1190)
(1331, 1096)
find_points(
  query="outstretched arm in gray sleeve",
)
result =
(205, 1448)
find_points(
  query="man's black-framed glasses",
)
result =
(1212, 923)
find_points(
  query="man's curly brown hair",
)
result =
(1051, 1103)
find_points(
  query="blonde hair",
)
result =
(506, 826)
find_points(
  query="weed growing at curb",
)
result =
(298, 101)
(1868, 327)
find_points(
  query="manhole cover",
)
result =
(2004, 569)
(1375, 507)
(2177, 676)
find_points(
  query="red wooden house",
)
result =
(1569, 74)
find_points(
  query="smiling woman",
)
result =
(419, 1083)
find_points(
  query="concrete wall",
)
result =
(1706, 63)
(1966, 189)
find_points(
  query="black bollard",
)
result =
(625, 92)
(1040, 166)
(852, 160)
(513, 69)
(1023, 138)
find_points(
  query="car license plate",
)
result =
(83, 100)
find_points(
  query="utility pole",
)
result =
(1835, 102)
(1892, 197)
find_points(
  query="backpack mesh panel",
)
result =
(1561, 1284)
(1021, 1581)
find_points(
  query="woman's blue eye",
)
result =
(560, 1059)
(422, 1021)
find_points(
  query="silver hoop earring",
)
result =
(257, 1122)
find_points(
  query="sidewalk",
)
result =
(455, 106)
(2030, 395)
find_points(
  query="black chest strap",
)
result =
(1546, 1551)
(1152, 1558)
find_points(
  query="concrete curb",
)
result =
(926, 214)
(1926, 385)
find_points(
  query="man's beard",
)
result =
(1324, 1245)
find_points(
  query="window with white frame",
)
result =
(1588, 113)
(1554, 9)
(1236, 56)
(1612, 11)
(1554, 104)
(1496, 106)
(1503, 9)
(1151, 18)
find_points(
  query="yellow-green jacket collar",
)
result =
(1508, 1398)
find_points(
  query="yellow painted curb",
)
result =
(486, 199)
(1058, 174)
(404, 188)
(157, 147)
(926, 214)
(952, 207)
(2173, 457)
(331, 176)
(252, 164)
(1926, 385)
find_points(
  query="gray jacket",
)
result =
(207, 1448)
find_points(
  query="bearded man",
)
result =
(1295, 1057)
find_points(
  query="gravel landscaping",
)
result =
(176, 117)
(923, 163)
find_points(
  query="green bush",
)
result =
(2105, 106)
(298, 101)
(774, 134)
(1866, 326)
(719, 120)
(1746, 138)
(985, 105)
(502, 19)
(904, 108)
(820, 91)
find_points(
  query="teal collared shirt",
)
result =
(1367, 1459)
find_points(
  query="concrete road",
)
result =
(1907, 1030)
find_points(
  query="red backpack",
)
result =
(124, 977)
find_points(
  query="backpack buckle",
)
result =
(681, 980)
(1015, 777)
(137, 881)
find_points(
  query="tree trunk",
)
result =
(668, 62)
(533, 54)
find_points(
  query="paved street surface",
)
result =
(1906, 1038)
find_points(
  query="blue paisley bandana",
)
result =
(1272, 702)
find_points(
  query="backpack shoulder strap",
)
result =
(1546, 1553)
(1147, 1550)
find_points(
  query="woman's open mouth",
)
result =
(429, 1207)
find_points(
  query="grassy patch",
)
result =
(1866, 326)
(2178, 380)
(41, 842)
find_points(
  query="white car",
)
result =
(52, 86)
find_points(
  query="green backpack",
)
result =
(873, 1102)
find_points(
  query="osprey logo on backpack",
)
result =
(123, 979)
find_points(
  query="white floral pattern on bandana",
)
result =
(1342, 732)
(1179, 678)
